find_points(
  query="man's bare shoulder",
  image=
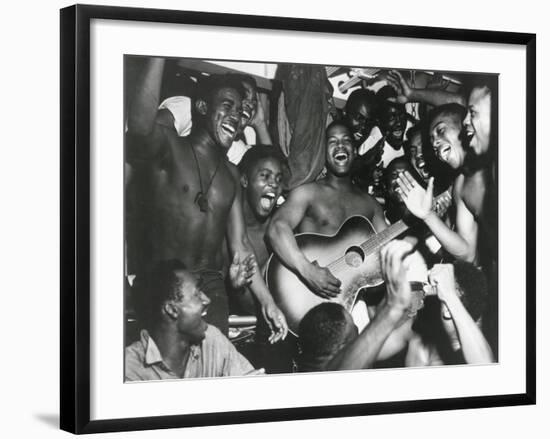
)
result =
(306, 190)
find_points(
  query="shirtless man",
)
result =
(192, 195)
(322, 207)
(468, 190)
(261, 171)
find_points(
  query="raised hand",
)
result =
(401, 86)
(258, 118)
(241, 272)
(394, 258)
(321, 281)
(417, 199)
(442, 276)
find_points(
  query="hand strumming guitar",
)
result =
(321, 281)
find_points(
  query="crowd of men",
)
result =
(207, 208)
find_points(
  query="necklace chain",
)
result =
(201, 198)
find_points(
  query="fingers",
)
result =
(278, 326)
(430, 188)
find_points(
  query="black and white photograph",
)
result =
(284, 218)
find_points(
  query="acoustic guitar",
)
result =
(352, 255)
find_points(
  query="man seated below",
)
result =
(176, 342)
(329, 339)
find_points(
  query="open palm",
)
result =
(417, 199)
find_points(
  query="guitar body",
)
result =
(342, 253)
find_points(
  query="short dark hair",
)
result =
(322, 332)
(340, 122)
(241, 77)
(155, 286)
(452, 109)
(488, 81)
(257, 153)
(362, 95)
(210, 85)
(473, 284)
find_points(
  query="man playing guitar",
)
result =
(322, 207)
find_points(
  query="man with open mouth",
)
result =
(468, 190)
(175, 340)
(322, 207)
(261, 171)
(190, 192)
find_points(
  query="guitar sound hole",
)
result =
(354, 256)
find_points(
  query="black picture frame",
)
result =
(75, 217)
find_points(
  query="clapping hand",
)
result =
(241, 272)
(417, 199)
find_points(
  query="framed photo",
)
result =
(179, 251)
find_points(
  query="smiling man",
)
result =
(322, 207)
(176, 342)
(189, 192)
(468, 189)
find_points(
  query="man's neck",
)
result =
(174, 350)
(250, 218)
(203, 141)
(339, 182)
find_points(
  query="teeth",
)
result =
(341, 156)
(246, 114)
(269, 195)
(203, 313)
(229, 128)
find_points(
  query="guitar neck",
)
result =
(385, 236)
(396, 229)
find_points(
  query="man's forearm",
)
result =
(262, 133)
(449, 239)
(475, 347)
(364, 350)
(284, 245)
(435, 97)
(143, 108)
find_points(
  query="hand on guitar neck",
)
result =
(320, 280)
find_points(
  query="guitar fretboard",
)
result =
(380, 239)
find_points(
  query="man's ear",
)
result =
(170, 309)
(244, 181)
(201, 106)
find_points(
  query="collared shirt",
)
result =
(215, 356)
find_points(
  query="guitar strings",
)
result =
(391, 232)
